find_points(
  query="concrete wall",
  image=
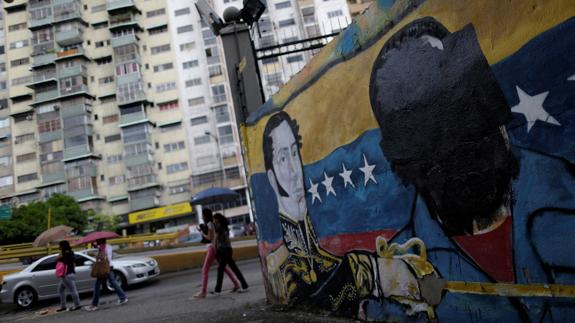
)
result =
(421, 166)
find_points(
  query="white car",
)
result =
(39, 282)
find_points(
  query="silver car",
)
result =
(39, 282)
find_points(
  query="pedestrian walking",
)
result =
(103, 271)
(66, 271)
(209, 236)
(225, 252)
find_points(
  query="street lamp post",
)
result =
(220, 156)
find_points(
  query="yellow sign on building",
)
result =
(159, 213)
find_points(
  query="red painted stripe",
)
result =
(340, 244)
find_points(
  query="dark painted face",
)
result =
(441, 115)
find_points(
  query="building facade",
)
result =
(104, 105)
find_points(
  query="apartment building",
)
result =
(101, 109)
(6, 170)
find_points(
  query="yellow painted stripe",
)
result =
(511, 290)
(336, 110)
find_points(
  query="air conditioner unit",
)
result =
(158, 194)
(29, 117)
(56, 107)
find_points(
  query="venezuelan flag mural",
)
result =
(421, 167)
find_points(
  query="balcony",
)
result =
(115, 6)
(124, 20)
(70, 53)
(37, 23)
(131, 98)
(140, 159)
(124, 40)
(83, 193)
(66, 10)
(49, 136)
(43, 59)
(39, 78)
(75, 110)
(129, 78)
(72, 153)
(142, 182)
(69, 37)
(76, 89)
(144, 203)
(46, 96)
(53, 177)
(42, 48)
(133, 118)
(72, 71)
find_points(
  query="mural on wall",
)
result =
(421, 168)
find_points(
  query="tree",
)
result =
(101, 222)
(28, 221)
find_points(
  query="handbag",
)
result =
(61, 269)
(101, 268)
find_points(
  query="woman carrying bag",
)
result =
(65, 270)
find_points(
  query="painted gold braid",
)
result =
(348, 291)
(363, 273)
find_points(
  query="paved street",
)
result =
(167, 299)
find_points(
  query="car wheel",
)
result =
(25, 297)
(120, 279)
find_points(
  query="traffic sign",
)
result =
(5, 212)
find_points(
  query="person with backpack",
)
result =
(103, 271)
(224, 251)
(65, 270)
(208, 235)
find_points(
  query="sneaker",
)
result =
(122, 301)
(243, 290)
(235, 289)
(91, 308)
(61, 309)
(75, 308)
(199, 294)
(216, 293)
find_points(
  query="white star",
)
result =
(367, 170)
(327, 183)
(532, 108)
(313, 191)
(346, 175)
(572, 78)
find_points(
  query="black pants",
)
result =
(225, 255)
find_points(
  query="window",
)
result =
(183, 11)
(175, 168)
(48, 264)
(27, 177)
(4, 123)
(103, 60)
(163, 67)
(99, 44)
(114, 159)
(168, 105)
(106, 80)
(21, 80)
(194, 82)
(155, 13)
(20, 61)
(163, 87)
(270, 60)
(110, 119)
(215, 70)
(24, 138)
(178, 189)
(184, 29)
(219, 93)
(112, 138)
(40, 13)
(158, 30)
(267, 41)
(226, 134)
(283, 4)
(201, 140)
(286, 23)
(19, 44)
(127, 68)
(190, 64)
(174, 146)
(290, 39)
(98, 8)
(2, 67)
(171, 127)
(49, 126)
(187, 46)
(275, 79)
(19, 26)
(160, 49)
(26, 157)
(222, 114)
(196, 101)
(294, 59)
(116, 180)
(5, 160)
(198, 120)
(6, 181)
(335, 13)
